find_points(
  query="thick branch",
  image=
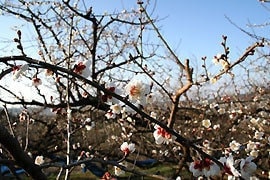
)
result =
(22, 159)
(178, 93)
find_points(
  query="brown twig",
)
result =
(249, 52)
(178, 94)
(181, 65)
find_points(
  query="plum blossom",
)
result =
(29, 154)
(118, 171)
(78, 68)
(254, 120)
(254, 153)
(108, 98)
(225, 65)
(222, 60)
(113, 111)
(110, 115)
(116, 108)
(221, 111)
(162, 136)
(76, 146)
(213, 80)
(107, 176)
(153, 115)
(89, 125)
(82, 68)
(48, 72)
(127, 148)
(247, 167)
(226, 98)
(127, 110)
(217, 58)
(23, 116)
(214, 106)
(206, 143)
(216, 126)
(256, 98)
(251, 145)
(137, 91)
(205, 167)
(39, 160)
(258, 135)
(229, 166)
(19, 70)
(36, 81)
(206, 146)
(87, 120)
(234, 145)
(206, 123)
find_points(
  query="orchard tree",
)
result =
(119, 96)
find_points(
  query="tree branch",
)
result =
(22, 159)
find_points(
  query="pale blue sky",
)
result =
(195, 27)
(192, 27)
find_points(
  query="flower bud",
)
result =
(19, 33)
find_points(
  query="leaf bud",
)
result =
(19, 34)
(19, 47)
(16, 40)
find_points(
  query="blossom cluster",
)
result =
(127, 148)
(139, 94)
(208, 168)
(222, 60)
(162, 136)
(81, 68)
(204, 167)
(136, 92)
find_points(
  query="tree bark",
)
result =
(22, 159)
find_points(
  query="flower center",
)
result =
(134, 91)
(164, 133)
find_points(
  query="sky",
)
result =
(194, 28)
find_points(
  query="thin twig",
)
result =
(67, 100)
(8, 119)
(181, 65)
